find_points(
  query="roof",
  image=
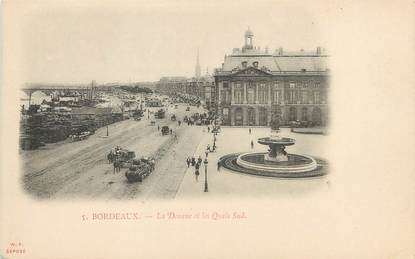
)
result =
(278, 63)
(235, 61)
(299, 63)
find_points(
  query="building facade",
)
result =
(193, 89)
(171, 85)
(253, 85)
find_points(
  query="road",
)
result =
(81, 170)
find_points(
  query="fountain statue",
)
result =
(276, 151)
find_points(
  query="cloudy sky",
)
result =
(77, 43)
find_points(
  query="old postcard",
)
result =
(207, 129)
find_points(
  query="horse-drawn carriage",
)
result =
(140, 169)
(120, 157)
(165, 130)
(160, 114)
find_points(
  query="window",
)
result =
(250, 93)
(223, 95)
(255, 63)
(317, 84)
(277, 84)
(291, 97)
(244, 64)
(316, 97)
(292, 85)
(262, 93)
(225, 84)
(238, 93)
(304, 115)
(277, 97)
(304, 97)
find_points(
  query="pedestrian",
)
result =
(206, 153)
(109, 157)
(197, 166)
(193, 161)
(188, 161)
(219, 164)
(208, 147)
(208, 129)
(119, 166)
(214, 148)
(158, 127)
(252, 144)
(249, 130)
(199, 160)
(171, 131)
(197, 174)
(115, 166)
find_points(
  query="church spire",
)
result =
(197, 69)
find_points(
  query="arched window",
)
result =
(304, 115)
(263, 116)
(239, 117)
(293, 114)
(251, 116)
(316, 116)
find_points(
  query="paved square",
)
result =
(226, 183)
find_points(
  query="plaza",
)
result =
(226, 183)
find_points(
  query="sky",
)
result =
(78, 43)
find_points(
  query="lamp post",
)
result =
(107, 130)
(206, 183)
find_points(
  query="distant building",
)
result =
(194, 89)
(252, 85)
(171, 85)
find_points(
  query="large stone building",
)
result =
(252, 85)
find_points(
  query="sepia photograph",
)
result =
(165, 115)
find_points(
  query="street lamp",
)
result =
(206, 183)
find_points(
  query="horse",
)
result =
(117, 166)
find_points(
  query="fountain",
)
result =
(276, 162)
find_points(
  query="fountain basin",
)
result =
(276, 141)
(294, 164)
(297, 166)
